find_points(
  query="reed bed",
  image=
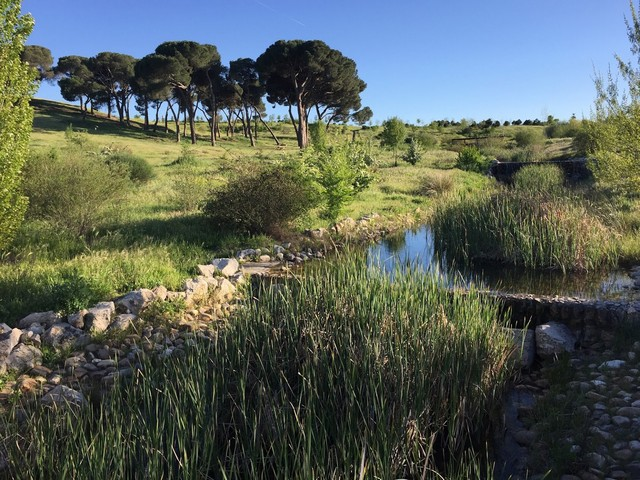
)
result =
(345, 373)
(519, 228)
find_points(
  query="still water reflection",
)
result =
(416, 248)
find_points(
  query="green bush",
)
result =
(436, 183)
(472, 160)
(569, 129)
(16, 116)
(341, 172)
(139, 169)
(73, 190)
(544, 180)
(414, 154)
(526, 137)
(263, 201)
(187, 157)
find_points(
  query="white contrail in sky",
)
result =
(275, 11)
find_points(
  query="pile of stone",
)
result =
(108, 340)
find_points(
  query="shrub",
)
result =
(341, 173)
(569, 129)
(73, 190)
(544, 180)
(16, 116)
(190, 189)
(472, 160)
(263, 201)
(436, 183)
(527, 137)
(414, 154)
(139, 169)
(187, 157)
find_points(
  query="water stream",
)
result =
(416, 248)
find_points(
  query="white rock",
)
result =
(8, 341)
(226, 266)
(553, 339)
(613, 364)
(122, 322)
(134, 302)
(99, 317)
(23, 358)
(46, 318)
(61, 334)
(62, 396)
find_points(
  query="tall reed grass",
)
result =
(531, 230)
(344, 373)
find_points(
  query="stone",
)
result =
(99, 317)
(23, 358)
(207, 270)
(612, 364)
(77, 319)
(525, 437)
(633, 412)
(45, 318)
(160, 292)
(196, 289)
(625, 454)
(226, 266)
(60, 334)
(596, 460)
(8, 341)
(246, 253)
(62, 396)
(122, 322)
(225, 290)
(620, 421)
(553, 339)
(134, 302)
(524, 346)
(264, 258)
(317, 233)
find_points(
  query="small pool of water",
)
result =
(416, 248)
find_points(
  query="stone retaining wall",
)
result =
(593, 322)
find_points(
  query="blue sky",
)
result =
(421, 59)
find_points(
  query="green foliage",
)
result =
(74, 190)
(341, 172)
(140, 171)
(393, 134)
(340, 373)
(187, 157)
(318, 133)
(471, 159)
(615, 129)
(570, 129)
(18, 85)
(414, 154)
(164, 313)
(542, 180)
(524, 228)
(436, 183)
(191, 188)
(527, 137)
(265, 200)
(424, 138)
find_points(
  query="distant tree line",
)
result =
(186, 79)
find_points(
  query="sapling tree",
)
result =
(393, 134)
(616, 126)
(16, 116)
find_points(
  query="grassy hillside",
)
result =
(156, 234)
